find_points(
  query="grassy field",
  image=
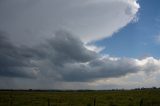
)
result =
(90, 98)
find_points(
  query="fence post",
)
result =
(48, 102)
(11, 100)
(94, 104)
(141, 102)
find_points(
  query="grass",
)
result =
(90, 98)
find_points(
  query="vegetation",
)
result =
(146, 97)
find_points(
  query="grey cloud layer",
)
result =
(97, 69)
(22, 61)
(65, 58)
(14, 61)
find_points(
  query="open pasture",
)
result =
(81, 98)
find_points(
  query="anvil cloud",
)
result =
(29, 22)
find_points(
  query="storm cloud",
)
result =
(65, 58)
(53, 44)
(14, 61)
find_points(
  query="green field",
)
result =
(87, 98)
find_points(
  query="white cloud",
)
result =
(30, 22)
(94, 48)
(145, 77)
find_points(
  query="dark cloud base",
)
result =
(54, 54)
(63, 58)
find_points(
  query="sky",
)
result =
(79, 44)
